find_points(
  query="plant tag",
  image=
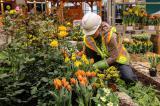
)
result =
(129, 28)
(151, 27)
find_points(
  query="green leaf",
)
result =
(44, 79)
(34, 90)
(19, 92)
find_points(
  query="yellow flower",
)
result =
(62, 34)
(101, 76)
(77, 63)
(83, 57)
(73, 56)
(130, 10)
(86, 61)
(125, 13)
(54, 43)
(66, 60)
(62, 28)
(68, 23)
(12, 12)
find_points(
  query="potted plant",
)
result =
(154, 62)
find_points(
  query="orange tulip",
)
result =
(80, 78)
(85, 79)
(83, 83)
(57, 83)
(88, 74)
(80, 72)
(80, 53)
(64, 82)
(68, 87)
(73, 81)
(93, 74)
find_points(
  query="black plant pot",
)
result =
(153, 72)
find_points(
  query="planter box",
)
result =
(129, 28)
(150, 27)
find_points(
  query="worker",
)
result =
(102, 43)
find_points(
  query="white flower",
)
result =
(99, 105)
(103, 99)
(110, 104)
(107, 91)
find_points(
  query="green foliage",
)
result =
(139, 46)
(154, 60)
(109, 75)
(32, 63)
(84, 94)
(143, 95)
(62, 97)
(76, 33)
(106, 97)
(141, 37)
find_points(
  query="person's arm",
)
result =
(112, 49)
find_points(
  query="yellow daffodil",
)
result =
(12, 12)
(130, 10)
(73, 56)
(83, 57)
(86, 61)
(77, 63)
(66, 60)
(62, 28)
(54, 43)
(62, 34)
(68, 23)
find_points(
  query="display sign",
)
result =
(151, 27)
(129, 28)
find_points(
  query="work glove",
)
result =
(101, 64)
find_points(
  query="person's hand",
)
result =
(101, 64)
(105, 27)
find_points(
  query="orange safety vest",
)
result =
(123, 56)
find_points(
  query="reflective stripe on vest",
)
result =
(103, 52)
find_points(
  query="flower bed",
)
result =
(43, 68)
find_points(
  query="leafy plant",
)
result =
(106, 97)
(143, 95)
(154, 60)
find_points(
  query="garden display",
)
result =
(137, 15)
(141, 44)
(41, 67)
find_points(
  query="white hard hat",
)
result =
(90, 23)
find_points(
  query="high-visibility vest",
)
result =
(123, 56)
